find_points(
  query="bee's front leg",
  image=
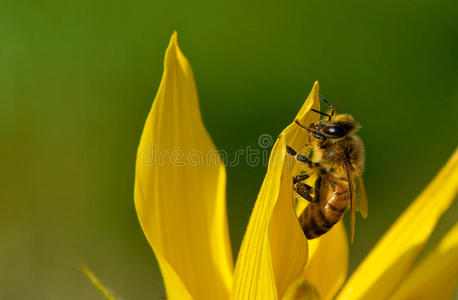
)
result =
(302, 158)
(312, 132)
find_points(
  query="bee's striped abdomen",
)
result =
(319, 217)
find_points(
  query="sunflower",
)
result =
(180, 201)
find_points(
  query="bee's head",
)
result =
(337, 127)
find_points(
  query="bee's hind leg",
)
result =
(303, 190)
(299, 178)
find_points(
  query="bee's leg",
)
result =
(322, 113)
(317, 135)
(301, 158)
(304, 191)
(314, 133)
(299, 178)
(317, 189)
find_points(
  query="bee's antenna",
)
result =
(329, 104)
(321, 113)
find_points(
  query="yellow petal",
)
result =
(436, 276)
(274, 249)
(393, 256)
(328, 261)
(180, 189)
(301, 289)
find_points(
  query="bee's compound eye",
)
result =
(334, 130)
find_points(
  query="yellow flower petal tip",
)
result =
(311, 101)
(173, 43)
(180, 187)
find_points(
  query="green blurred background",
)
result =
(77, 79)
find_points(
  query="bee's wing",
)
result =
(360, 195)
(352, 200)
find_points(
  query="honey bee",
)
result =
(338, 160)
